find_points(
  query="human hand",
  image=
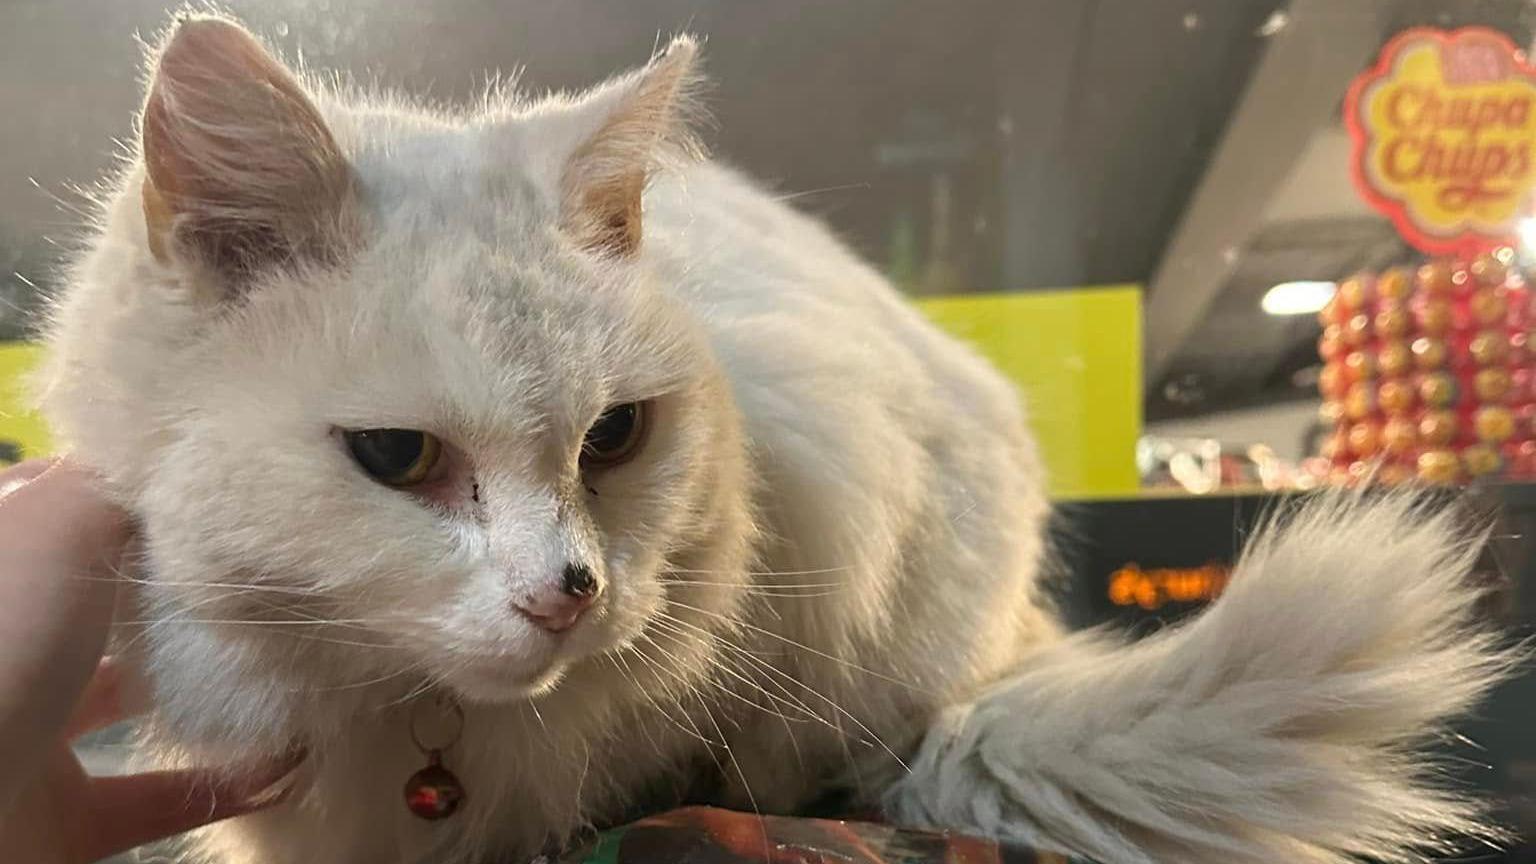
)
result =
(60, 544)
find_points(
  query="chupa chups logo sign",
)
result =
(1443, 129)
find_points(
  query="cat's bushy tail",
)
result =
(1287, 723)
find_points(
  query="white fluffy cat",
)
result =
(524, 407)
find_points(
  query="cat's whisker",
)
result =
(656, 669)
(534, 706)
(692, 693)
(733, 651)
(624, 672)
(290, 590)
(369, 625)
(427, 682)
(722, 742)
(771, 709)
(807, 648)
(151, 627)
(792, 586)
(254, 593)
(729, 656)
(276, 627)
(126, 578)
(773, 670)
(668, 628)
(724, 664)
(759, 574)
(331, 640)
(254, 622)
(872, 738)
(746, 787)
(775, 593)
(730, 663)
(357, 685)
(792, 595)
(843, 187)
(690, 686)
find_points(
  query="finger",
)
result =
(41, 820)
(59, 544)
(109, 697)
(21, 473)
(132, 810)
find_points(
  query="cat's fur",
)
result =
(829, 544)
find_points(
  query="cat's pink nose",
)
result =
(558, 607)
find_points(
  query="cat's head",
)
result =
(398, 395)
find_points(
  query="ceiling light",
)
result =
(1278, 20)
(1298, 298)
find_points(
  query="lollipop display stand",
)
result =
(1427, 374)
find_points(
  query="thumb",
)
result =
(59, 544)
(131, 810)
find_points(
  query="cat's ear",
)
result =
(241, 171)
(628, 129)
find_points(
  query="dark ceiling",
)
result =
(1067, 132)
(962, 145)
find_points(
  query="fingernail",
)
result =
(274, 794)
(295, 756)
(283, 774)
(22, 473)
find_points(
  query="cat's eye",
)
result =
(616, 436)
(395, 457)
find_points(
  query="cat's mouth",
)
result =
(529, 664)
(503, 679)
